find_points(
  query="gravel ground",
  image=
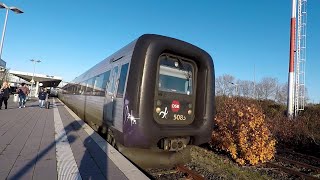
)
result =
(214, 166)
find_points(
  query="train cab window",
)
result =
(122, 79)
(175, 75)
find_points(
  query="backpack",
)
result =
(21, 93)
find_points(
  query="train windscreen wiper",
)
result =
(186, 73)
(181, 67)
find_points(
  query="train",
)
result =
(155, 95)
(53, 92)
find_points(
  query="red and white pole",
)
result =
(290, 104)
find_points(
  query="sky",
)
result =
(245, 38)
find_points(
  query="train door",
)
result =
(111, 93)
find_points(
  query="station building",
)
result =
(33, 80)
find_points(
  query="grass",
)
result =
(223, 168)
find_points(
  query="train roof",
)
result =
(100, 66)
(126, 50)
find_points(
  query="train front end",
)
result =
(175, 95)
(175, 99)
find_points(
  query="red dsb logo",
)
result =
(175, 106)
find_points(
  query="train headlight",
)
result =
(158, 110)
(189, 112)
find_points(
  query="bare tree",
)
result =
(259, 91)
(246, 88)
(268, 87)
(4, 75)
(223, 85)
(306, 96)
(281, 93)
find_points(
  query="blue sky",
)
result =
(71, 36)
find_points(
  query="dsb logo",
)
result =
(175, 106)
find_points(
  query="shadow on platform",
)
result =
(93, 164)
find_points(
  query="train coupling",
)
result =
(175, 144)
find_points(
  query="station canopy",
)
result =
(46, 80)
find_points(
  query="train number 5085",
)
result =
(178, 117)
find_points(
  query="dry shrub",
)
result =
(271, 109)
(282, 128)
(309, 120)
(242, 132)
(302, 131)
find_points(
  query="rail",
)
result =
(291, 171)
(191, 174)
(297, 163)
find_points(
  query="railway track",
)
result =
(290, 152)
(298, 163)
(296, 168)
(292, 171)
(178, 172)
(191, 174)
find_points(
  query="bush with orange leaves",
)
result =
(242, 132)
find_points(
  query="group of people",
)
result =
(23, 92)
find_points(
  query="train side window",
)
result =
(94, 85)
(122, 80)
(106, 79)
(68, 89)
(75, 89)
(101, 83)
(113, 80)
(78, 88)
(96, 90)
(83, 87)
(89, 88)
(72, 88)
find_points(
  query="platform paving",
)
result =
(38, 143)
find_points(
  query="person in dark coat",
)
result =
(4, 94)
(42, 97)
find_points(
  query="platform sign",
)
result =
(2, 63)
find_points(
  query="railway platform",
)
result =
(38, 143)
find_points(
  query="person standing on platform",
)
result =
(23, 93)
(42, 97)
(4, 94)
